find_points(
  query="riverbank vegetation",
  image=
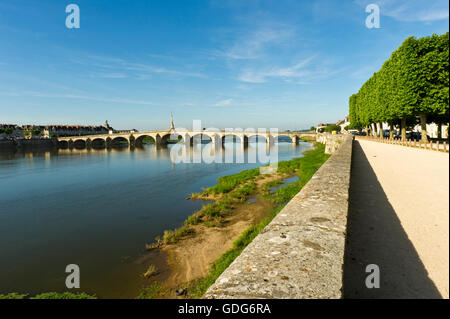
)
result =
(229, 194)
(49, 295)
(412, 84)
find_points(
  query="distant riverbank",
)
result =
(23, 143)
(195, 254)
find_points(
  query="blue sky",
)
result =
(287, 64)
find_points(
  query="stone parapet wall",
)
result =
(332, 141)
(300, 254)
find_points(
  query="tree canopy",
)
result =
(413, 82)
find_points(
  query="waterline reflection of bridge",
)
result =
(163, 137)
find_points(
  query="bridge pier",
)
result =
(196, 139)
(269, 139)
(132, 141)
(88, 143)
(295, 140)
(244, 140)
(158, 141)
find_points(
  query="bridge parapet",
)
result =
(161, 136)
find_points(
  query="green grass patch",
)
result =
(193, 220)
(225, 184)
(13, 295)
(154, 291)
(49, 295)
(308, 138)
(173, 236)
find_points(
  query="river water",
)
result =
(97, 209)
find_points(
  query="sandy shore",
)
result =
(399, 220)
(191, 257)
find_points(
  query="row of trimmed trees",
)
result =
(411, 86)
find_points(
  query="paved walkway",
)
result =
(399, 220)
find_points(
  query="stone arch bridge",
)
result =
(163, 137)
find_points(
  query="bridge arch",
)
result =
(172, 138)
(256, 138)
(63, 144)
(79, 143)
(283, 138)
(197, 138)
(98, 142)
(145, 139)
(232, 138)
(120, 141)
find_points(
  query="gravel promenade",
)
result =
(399, 220)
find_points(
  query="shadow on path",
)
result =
(376, 236)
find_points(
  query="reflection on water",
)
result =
(97, 209)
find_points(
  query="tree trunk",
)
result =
(374, 129)
(423, 127)
(403, 128)
(381, 130)
(391, 131)
(439, 131)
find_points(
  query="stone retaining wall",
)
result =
(300, 254)
(332, 142)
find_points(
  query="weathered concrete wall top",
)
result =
(300, 254)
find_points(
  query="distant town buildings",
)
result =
(10, 130)
(47, 131)
(72, 130)
(342, 123)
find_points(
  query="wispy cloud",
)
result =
(412, 10)
(110, 67)
(261, 76)
(108, 75)
(144, 68)
(252, 44)
(225, 102)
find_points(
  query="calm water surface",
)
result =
(96, 209)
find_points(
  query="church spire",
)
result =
(172, 126)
